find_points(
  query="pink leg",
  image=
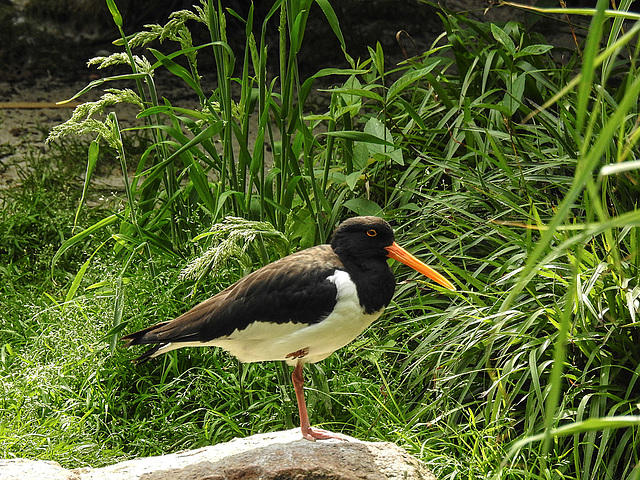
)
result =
(307, 432)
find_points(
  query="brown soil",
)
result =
(28, 110)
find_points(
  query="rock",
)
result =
(268, 456)
(23, 469)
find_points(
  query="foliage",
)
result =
(203, 164)
(549, 255)
(513, 171)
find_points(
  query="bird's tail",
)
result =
(145, 337)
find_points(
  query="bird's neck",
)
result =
(374, 282)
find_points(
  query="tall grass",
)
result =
(515, 173)
(211, 162)
(537, 371)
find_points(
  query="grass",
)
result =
(485, 152)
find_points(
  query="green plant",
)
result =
(183, 180)
(540, 363)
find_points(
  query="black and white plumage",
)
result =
(300, 308)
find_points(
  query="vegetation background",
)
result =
(510, 164)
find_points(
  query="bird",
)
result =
(299, 309)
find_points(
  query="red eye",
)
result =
(372, 233)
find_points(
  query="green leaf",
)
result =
(588, 69)
(178, 70)
(534, 50)
(197, 114)
(76, 280)
(71, 293)
(502, 37)
(287, 198)
(114, 331)
(222, 198)
(407, 79)
(115, 13)
(92, 158)
(352, 179)
(199, 178)
(359, 137)
(377, 129)
(82, 236)
(332, 18)
(589, 425)
(393, 155)
(363, 206)
(207, 133)
(361, 155)
(96, 83)
(515, 91)
(377, 56)
(358, 92)
(297, 31)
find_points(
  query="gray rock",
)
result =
(269, 456)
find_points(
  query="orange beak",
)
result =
(398, 253)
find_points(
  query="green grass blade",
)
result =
(92, 159)
(588, 65)
(334, 23)
(83, 236)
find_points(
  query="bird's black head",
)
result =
(361, 244)
(362, 237)
(365, 242)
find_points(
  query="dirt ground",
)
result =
(28, 111)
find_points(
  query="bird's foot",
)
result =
(314, 434)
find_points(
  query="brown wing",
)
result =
(292, 289)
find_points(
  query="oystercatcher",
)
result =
(300, 308)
